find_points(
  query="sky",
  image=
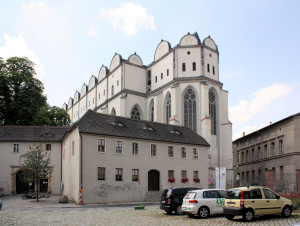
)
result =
(258, 44)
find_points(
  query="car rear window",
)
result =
(233, 194)
(190, 195)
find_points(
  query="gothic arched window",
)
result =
(113, 111)
(190, 109)
(168, 108)
(112, 90)
(152, 111)
(212, 112)
(135, 113)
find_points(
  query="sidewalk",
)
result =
(15, 201)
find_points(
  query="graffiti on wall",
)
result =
(104, 189)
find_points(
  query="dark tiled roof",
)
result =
(32, 133)
(102, 124)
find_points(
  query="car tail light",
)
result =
(193, 201)
(242, 199)
(169, 201)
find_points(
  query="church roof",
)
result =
(32, 133)
(109, 125)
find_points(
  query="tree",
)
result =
(37, 166)
(21, 95)
(52, 116)
(22, 101)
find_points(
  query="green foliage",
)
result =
(21, 95)
(22, 101)
(52, 116)
(37, 165)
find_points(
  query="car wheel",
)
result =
(286, 212)
(168, 211)
(229, 217)
(248, 215)
(178, 210)
(203, 212)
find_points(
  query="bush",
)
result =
(294, 197)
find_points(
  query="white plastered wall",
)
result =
(193, 56)
(71, 165)
(110, 190)
(134, 78)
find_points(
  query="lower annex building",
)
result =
(270, 156)
(111, 158)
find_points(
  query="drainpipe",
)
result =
(61, 145)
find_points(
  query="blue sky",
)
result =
(258, 43)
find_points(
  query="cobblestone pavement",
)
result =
(58, 214)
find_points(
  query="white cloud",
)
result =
(129, 18)
(233, 74)
(93, 31)
(245, 109)
(16, 46)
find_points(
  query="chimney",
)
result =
(243, 134)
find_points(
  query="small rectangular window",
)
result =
(183, 152)
(135, 148)
(153, 150)
(183, 66)
(48, 147)
(207, 67)
(280, 147)
(118, 147)
(167, 72)
(155, 78)
(16, 148)
(170, 152)
(247, 177)
(170, 174)
(273, 148)
(213, 70)
(135, 175)
(242, 157)
(281, 172)
(195, 153)
(101, 173)
(161, 76)
(119, 174)
(266, 151)
(101, 145)
(183, 173)
(196, 174)
(194, 66)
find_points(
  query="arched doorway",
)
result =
(21, 186)
(153, 180)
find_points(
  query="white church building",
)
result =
(180, 87)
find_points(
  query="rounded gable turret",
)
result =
(92, 82)
(115, 62)
(84, 89)
(102, 72)
(190, 40)
(162, 49)
(208, 41)
(135, 59)
(76, 97)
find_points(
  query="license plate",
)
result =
(163, 201)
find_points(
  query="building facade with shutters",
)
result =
(180, 87)
(270, 156)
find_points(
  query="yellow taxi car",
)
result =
(255, 200)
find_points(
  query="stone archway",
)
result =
(153, 180)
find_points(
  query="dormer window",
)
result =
(147, 127)
(116, 123)
(175, 132)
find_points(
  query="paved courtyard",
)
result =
(48, 212)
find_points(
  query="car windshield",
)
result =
(190, 195)
(233, 194)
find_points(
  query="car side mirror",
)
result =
(278, 197)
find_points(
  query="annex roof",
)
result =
(32, 133)
(102, 124)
